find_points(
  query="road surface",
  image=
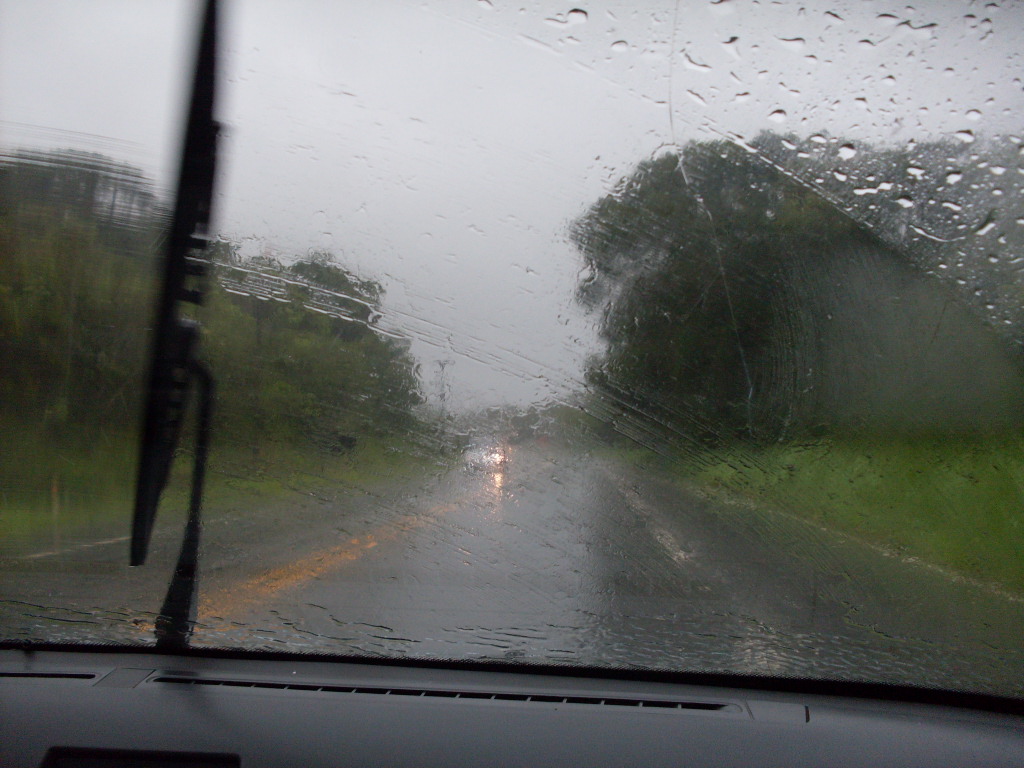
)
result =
(549, 557)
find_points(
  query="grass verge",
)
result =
(953, 502)
(52, 491)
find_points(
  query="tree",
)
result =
(298, 358)
(737, 302)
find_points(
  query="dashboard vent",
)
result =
(607, 701)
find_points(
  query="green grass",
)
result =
(56, 485)
(238, 478)
(63, 490)
(952, 501)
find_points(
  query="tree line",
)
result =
(81, 238)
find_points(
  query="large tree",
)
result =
(737, 302)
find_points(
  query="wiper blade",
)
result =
(174, 624)
(173, 353)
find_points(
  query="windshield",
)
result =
(686, 338)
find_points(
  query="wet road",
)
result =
(552, 558)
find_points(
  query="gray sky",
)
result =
(444, 150)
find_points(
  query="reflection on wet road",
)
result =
(579, 561)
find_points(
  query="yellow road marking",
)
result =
(234, 600)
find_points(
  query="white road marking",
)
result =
(661, 534)
(75, 548)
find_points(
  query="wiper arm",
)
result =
(173, 365)
(175, 340)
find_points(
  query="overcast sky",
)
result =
(445, 150)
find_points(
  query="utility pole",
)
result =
(443, 385)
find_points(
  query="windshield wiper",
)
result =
(174, 365)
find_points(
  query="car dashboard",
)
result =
(111, 707)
